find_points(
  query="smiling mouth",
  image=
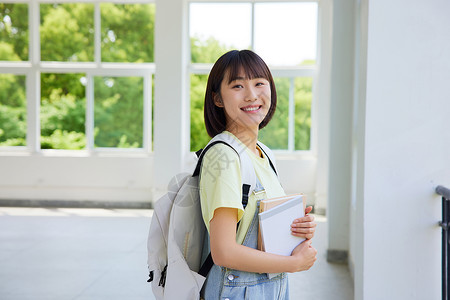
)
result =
(251, 108)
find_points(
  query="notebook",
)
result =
(275, 223)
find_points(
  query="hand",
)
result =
(304, 227)
(304, 255)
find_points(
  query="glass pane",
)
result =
(67, 32)
(127, 32)
(63, 110)
(275, 134)
(199, 136)
(13, 110)
(303, 99)
(218, 27)
(292, 28)
(118, 112)
(13, 32)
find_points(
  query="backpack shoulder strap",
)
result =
(247, 171)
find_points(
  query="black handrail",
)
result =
(445, 193)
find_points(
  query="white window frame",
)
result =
(34, 67)
(311, 71)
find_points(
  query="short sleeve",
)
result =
(220, 181)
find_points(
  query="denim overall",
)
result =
(227, 284)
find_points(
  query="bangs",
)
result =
(252, 66)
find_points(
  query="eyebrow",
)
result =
(238, 78)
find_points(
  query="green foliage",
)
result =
(303, 100)
(14, 31)
(199, 136)
(12, 142)
(13, 112)
(127, 32)
(7, 52)
(12, 123)
(62, 139)
(62, 112)
(66, 84)
(67, 32)
(118, 111)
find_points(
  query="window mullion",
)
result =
(291, 128)
(33, 87)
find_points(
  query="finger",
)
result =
(307, 236)
(308, 210)
(303, 234)
(300, 228)
(307, 218)
(304, 225)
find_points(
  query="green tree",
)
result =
(67, 32)
(13, 112)
(303, 100)
(63, 110)
(127, 32)
(118, 111)
(199, 136)
(13, 31)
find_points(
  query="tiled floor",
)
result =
(89, 254)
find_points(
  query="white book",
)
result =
(275, 226)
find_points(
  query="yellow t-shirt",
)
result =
(221, 184)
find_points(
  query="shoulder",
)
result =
(220, 153)
(220, 161)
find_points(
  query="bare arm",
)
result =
(227, 253)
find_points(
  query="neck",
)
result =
(248, 137)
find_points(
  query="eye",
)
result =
(237, 86)
(261, 82)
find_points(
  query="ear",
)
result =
(217, 100)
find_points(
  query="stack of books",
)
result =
(275, 218)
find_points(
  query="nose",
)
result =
(251, 94)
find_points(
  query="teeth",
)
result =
(250, 108)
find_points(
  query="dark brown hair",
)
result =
(233, 62)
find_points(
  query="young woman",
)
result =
(240, 99)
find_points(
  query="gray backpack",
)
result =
(176, 259)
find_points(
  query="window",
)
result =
(284, 34)
(83, 69)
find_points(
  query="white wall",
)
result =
(341, 95)
(79, 176)
(405, 150)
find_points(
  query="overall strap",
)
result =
(267, 152)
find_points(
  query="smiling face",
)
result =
(245, 101)
(240, 91)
